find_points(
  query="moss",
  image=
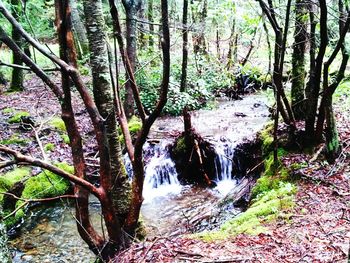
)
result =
(8, 110)
(45, 184)
(134, 125)
(14, 139)
(16, 118)
(65, 138)
(49, 147)
(264, 209)
(58, 123)
(180, 146)
(266, 137)
(10, 178)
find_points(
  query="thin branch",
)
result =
(24, 67)
(22, 159)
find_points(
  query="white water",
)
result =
(160, 173)
(161, 178)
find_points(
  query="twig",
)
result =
(188, 253)
(149, 248)
(38, 199)
(15, 211)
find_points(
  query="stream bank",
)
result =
(169, 208)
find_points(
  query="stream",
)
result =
(49, 233)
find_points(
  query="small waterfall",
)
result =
(225, 150)
(160, 172)
(161, 177)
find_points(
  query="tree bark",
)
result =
(151, 26)
(17, 73)
(199, 17)
(184, 47)
(230, 58)
(315, 77)
(115, 184)
(79, 31)
(298, 60)
(131, 8)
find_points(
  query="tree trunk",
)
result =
(17, 73)
(79, 31)
(199, 17)
(184, 47)
(131, 9)
(315, 77)
(230, 58)
(142, 27)
(332, 137)
(151, 26)
(116, 185)
(298, 60)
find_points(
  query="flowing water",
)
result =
(49, 234)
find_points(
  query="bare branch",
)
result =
(20, 158)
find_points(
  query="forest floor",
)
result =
(318, 229)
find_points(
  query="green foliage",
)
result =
(58, 123)
(49, 147)
(14, 139)
(17, 117)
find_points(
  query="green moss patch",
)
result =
(16, 118)
(134, 125)
(49, 147)
(272, 195)
(14, 139)
(65, 138)
(267, 138)
(44, 185)
(58, 124)
(10, 178)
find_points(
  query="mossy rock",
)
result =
(17, 117)
(14, 139)
(8, 180)
(263, 209)
(44, 185)
(180, 146)
(58, 124)
(266, 136)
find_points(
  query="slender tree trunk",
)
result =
(298, 59)
(184, 47)
(268, 47)
(142, 17)
(79, 31)
(116, 183)
(230, 59)
(17, 73)
(131, 9)
(199, 17)
(315, 77)
(151, 26)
